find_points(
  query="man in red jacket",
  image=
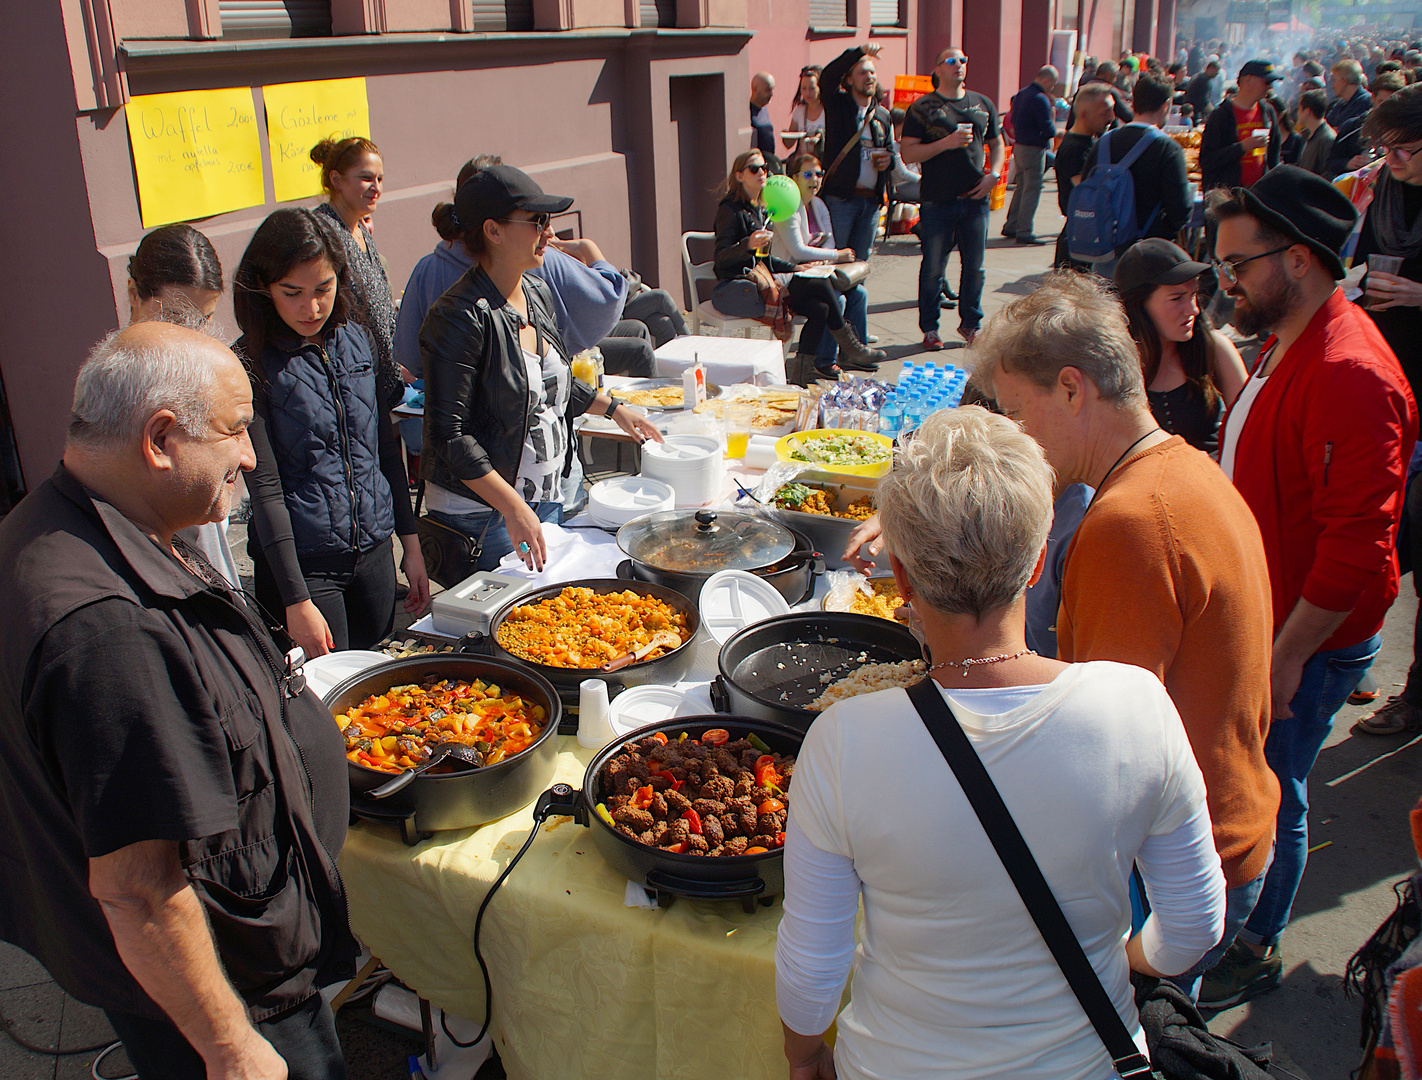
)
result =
(1317, 443)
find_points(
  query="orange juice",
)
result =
(736, 443)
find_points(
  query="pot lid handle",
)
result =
(706, 521)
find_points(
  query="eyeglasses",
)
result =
(1403, 154)
(811, 174)
(1228, 271)
(954, 60)
(541, 220)
(757, 168)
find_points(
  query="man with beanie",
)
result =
(1317, 444)
(1231, 154)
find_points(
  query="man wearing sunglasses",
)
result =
(1317, 443)
(953, 132)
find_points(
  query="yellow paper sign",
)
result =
(195, 153)
(299, 115)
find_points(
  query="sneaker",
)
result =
(1394, 718)
(932, 342)
(871, 339)
(968, 335)
(1239, 976)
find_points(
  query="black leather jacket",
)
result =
(736, 219)
(476, 382)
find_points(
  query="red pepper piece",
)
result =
(670, 779)
(642, 797)
(692, 818)
(679, 849)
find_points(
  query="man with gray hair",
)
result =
(1167, 567)
(1034, 127)
(172, 799)
(762, 128)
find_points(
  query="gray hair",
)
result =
(1092, 91)
(1070, 320)
(127, 378)
(966, 509)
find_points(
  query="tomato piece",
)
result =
(757, 850)
(693, 819)
(680, 849)
(659, 737)
(716, 736)
(780, 839)
(642, 798)
(770, 806)
(765, 774)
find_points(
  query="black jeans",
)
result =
(816, 300)
(354, 593)
(304, 1036)
(658, 310)
(627, 350)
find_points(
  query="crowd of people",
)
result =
(179, 798)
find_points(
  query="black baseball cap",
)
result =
(1155, 262)
(1263, 68)
(500, 189)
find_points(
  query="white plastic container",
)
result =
(613, 503)
(691, 464)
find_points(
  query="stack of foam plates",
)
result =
(613, 503)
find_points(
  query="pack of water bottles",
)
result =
(854, 403)
(923, 389)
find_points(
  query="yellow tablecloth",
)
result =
(584, 986)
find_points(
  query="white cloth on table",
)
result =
(951, 977)
(727, 360)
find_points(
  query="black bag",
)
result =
(1047, 914)
(450, 555)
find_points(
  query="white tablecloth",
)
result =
(727, 360)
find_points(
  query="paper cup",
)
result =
(1385, 264)
(594, 715)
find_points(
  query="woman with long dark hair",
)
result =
(1192, 371)
(353, 177)
(329, 489)
(742, 233)
(174, 272)
(807, 113)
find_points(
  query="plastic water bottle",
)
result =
(891, 417)
(913, 414)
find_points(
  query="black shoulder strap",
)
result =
(1022, 868)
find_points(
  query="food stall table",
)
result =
(727, 360)
(584, 986)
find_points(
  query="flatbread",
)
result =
(661, 396)
(771, 409)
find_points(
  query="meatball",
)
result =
(696, 845)
(764, 841)
(677, 803)
(745, 785)
(719, 788)
(711, 829)
(735, 845)
(638, 820)
(709, 807)
(659, 806)
(726, 763)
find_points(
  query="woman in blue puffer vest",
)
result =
(329, 489)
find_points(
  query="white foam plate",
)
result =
(734, 599)
(650, 704)
(324, 672)
(617, 501)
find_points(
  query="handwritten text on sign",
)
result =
(299, 115)
(196, 153)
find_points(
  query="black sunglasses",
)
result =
(757, 168)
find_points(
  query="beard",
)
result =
(1266, 306)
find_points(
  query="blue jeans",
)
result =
(496, 541)
(1291, 749)
(855, 305)
(963, 224)
(855, 222)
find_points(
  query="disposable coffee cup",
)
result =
(1261, 132)
(966, 129)
(594, 715)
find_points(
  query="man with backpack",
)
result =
(1135, 186)
(1231, 154)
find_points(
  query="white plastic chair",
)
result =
(701, 307)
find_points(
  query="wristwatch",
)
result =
(611, 408)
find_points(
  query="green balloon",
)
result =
(781, 197)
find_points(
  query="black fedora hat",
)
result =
(1304, 207)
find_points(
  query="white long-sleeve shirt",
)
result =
(951, 977)
(793, 235)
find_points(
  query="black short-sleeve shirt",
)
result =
(953, 173)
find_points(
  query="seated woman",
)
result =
(951, 977)
(1192, 371)
(807, 236)
(742, 233)
(500, 396)
(329, 489)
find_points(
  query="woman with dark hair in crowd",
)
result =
(174, 269)
(1192, 371)
(175, 276)
(499, 393)
(807, 113)
(329, 489)
(353, 176)
(742, 232)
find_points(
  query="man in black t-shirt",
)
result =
(171, 799)
(1095, 112)
(953, 133)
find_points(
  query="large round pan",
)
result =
(665, 670)
(732, 877)
(775, 668)
(455, 800)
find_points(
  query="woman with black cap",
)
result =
(499, 393)
(1192, 371)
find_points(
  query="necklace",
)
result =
(1124, 455)
(975, 660)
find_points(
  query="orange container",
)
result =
(909, 88)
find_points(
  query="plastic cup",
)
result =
(738, 428)
(594, 715)
(1258, 132)
(966, 129)
(1385, 264)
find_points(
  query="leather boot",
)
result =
(800, 369)
(854, 354)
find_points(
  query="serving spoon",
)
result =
(459, 751)
(661, 639)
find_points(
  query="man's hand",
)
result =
(1255, 142)
(255, 1059)
(873, 48)
(1284, 678)
(984, 187)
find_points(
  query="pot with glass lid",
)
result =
(683, 548)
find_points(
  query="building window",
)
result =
(275, 18)
(884, 13)
(829, 12)
(657, 13)
(503, 15)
